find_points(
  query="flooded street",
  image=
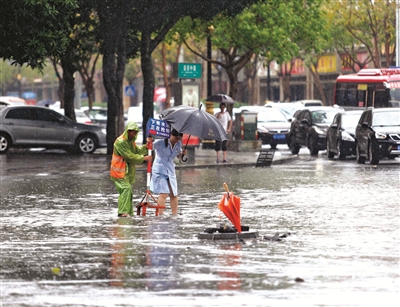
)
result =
(63, 245)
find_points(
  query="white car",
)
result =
(6, 101)
(81, 117)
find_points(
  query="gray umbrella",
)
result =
(194, 121)
(221, 98)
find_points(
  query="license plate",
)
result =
(398, 147)
(279, 136)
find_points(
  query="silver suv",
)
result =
(32, 126)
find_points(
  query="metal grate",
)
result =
(265, 158)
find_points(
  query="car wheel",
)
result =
(340, 153)
(331, 154)
(86, 144)
(373, 152)
(293, 146)
(5, 143)
(313, 146)
(273, 146)
(360, 160)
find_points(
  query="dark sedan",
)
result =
(309, 128)
(32, 127)
(378, 135)
(340, 136)
(272, 127)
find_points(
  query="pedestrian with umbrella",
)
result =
(163, 178)
(194, 121)
(226, 121)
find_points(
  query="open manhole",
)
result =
(227, 233)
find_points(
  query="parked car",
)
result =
(80, 116)
(310, 103)
(32, 127)
(378, 135)
(287, 108)
(6, 101)
(97, 115)
(340, 136)
(309, 128)
(272, 127)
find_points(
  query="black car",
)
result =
(340, 136)
(378, 135)
(309, 128)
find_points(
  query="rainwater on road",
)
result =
(63, 245)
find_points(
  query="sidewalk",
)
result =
(205, 158)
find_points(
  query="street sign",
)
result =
(130, 91)
(189, 70)
(158, 128)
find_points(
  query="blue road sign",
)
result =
(130, 91)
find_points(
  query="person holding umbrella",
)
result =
(163, 178)
(122, 171)
(226, 121)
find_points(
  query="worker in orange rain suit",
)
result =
(123, 170)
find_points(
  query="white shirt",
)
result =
(224, 118)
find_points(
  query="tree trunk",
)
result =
(60, 90)
(234, 84)
(148, 81)
(69, 90)
(165, 77)
(113, 85)
(318, 84)
(286, 87)
(113, 17)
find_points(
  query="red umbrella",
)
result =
(230, 206)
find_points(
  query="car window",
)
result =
(271, 116)
(386, 119)
(307, 116)
(23, 113)
(300, 115)
(46, 115)
(336, 119)
(319, 117)
(363, 117)
(323, 117)
(350, 120)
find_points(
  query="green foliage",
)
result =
(367, 23)
(276, 29)
(31, 30)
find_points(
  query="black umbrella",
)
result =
(194, 121)
(219, 98)
(45, 102)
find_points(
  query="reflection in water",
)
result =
(231, 260)
(150, 265)
(161, 258)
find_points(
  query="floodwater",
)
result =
(63, 245)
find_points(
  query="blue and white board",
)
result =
(158, 128)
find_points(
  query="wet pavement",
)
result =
(63, 245)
